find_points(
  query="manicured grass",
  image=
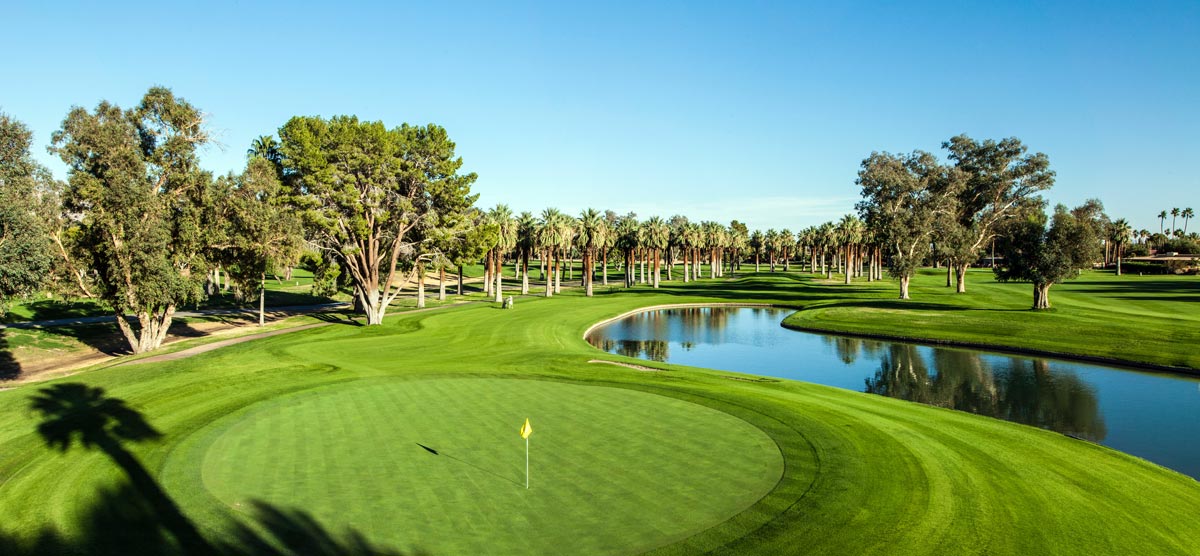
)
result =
(861, 474)
(1143, 319)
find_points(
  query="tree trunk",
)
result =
(657, 256)
(949, 274)
(604, 269)
(499, 277)
(549, 277)
(525, 275)
(487, 273)
(441, 283)
(1041, 296)
(262, 300)
(421, 286)
(670, 263)
(960, 272)
(557, 274)
(152, 329)
(587, 273)
(460, 279)
(1118, 260)
(904, 287)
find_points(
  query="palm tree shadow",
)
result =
(138, 517)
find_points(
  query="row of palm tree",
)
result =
(1186, 213)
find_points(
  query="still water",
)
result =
(1150, 415)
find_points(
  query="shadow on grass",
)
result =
(9, 367)
(138, 517)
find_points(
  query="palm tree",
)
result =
(658, 237)
(526, 244)
(786, 239)
(591, 233)
(756, 247)
(266, 147)
(549, 238)
(507, 240)
(850, 232)
(1162, 217)
(1119, 234)
(627, 241)
(1187, 214)
(1174, 213)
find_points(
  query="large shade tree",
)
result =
(1048, 254)
(135, 181)
(25, 255)
(1000, 181)
(363, 189)
(900, 206)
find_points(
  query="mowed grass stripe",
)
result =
(613, 469)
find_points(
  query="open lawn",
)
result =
(292, 440)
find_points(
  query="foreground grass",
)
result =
(861, 474)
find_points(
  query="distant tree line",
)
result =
(141, 227)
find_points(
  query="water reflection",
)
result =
(1015, 389)
(1154, 416)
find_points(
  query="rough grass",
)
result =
(862, 474)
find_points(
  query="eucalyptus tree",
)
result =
(591, 234)
(1048, 254)
(135, 180)
(258, 232)
(1120, 233)
(657, 237)
(363, 188)
(998, 180)
(900, 205)
(26, 258)
(506, 240)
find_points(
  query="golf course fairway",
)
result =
(319, 436)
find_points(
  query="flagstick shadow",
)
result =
(468, 464)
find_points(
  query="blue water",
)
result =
(1151, 415)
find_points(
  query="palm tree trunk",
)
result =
(604, 269)
(499, 277)
(657, 255)
(441, 283)
(525, 274)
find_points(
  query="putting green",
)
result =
(612, 470)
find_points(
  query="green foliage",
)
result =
(25, 256)
(135, 180)
(364, 191)
(1047, 255)
(901, 205)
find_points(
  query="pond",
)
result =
(1151, 415)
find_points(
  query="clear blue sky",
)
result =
(750, 110)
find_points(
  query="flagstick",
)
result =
(527, 462)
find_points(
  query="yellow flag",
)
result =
(526, 430)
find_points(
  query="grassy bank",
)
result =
(1140, 319)
(860, 474)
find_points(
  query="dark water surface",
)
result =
(1150, 415)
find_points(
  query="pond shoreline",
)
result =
(997, 348)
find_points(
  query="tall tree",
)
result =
(1174, 215)
(900, 205)
(1162, 219)
(1046, 255)
(591, 234)
(260, 231)
(25, 249)
(1000, 180)
(1120, 233)
(136, 182)
(363, 189)
(506, 240)
(1187, 214)
(658, 235)
(265, 147)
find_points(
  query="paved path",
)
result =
(76, 321)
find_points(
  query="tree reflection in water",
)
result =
(1014, 389)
